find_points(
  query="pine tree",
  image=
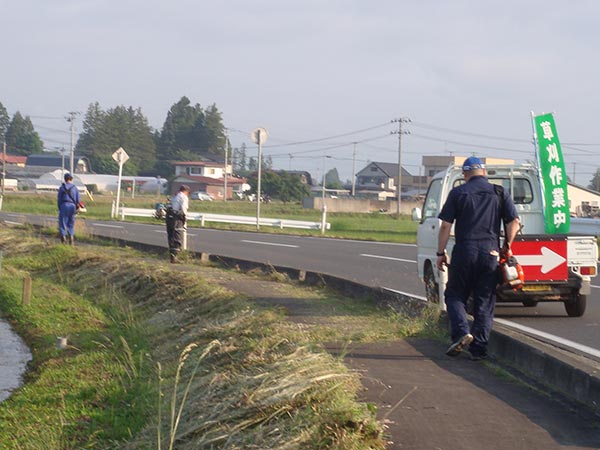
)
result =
(595, 181)
(21, 137)
(4, 122)
(104, 132)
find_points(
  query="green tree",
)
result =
(105, 132)
(239, 159)
(189, 129)
(595, 181)
(4, 122)
(332, 179)
(214, 131)
(281, 185)
(179, 130)
(252, 164)
(21, 137)
(268, 163)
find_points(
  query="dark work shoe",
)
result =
(457, 346)
(173, 259)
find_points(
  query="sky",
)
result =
(324, 78)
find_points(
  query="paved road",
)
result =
(371, 263)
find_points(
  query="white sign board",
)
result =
(259, 135)
(120, 156)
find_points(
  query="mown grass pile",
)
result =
(162, 359)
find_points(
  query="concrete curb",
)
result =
(569, 374)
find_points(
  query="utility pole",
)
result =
(3, 172)
(71, 119)
(225, 172)
(400, 132)
(354, 170)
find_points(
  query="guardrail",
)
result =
(223, 218)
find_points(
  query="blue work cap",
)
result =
(68, 177)
(472, 163)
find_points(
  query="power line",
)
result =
(467, 133)
(311, 141)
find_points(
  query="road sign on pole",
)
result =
(121, 157)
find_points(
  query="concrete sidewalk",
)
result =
(431, 401)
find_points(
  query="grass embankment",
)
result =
(229, 373)
(375, 226)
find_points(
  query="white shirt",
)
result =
(180, 202)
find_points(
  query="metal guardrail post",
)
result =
(324, 218)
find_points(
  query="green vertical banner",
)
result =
(553, 176)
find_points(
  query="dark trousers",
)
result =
(473, 272)
(66, 219)
(175, 230)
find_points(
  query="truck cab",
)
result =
(556, 267)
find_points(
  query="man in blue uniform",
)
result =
(478, 208)
(68, 199)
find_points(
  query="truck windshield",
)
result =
(522, 195)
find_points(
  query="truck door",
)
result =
(427, 233)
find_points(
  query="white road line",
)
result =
(13, 223)
(408, 294)
(564, 342)
(358, 242)
(270, 243)
(388, 257)
(107, 226)
(164, 232)
(597, 287)
(531, 331)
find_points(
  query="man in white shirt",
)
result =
(175, 220)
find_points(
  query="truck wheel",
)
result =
(530, 303)
(575, 305)
(431, 287)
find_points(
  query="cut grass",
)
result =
(249, 379)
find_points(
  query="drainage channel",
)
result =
(14, 356)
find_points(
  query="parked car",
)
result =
(199, 195)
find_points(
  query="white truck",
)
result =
(558, 268)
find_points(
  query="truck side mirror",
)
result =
(416, 214)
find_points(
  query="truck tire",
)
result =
(530, 303)
(432, 289)
(575, 305)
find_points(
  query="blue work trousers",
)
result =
(472, 272)
(66, 219)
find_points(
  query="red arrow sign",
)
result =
(542, 260)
